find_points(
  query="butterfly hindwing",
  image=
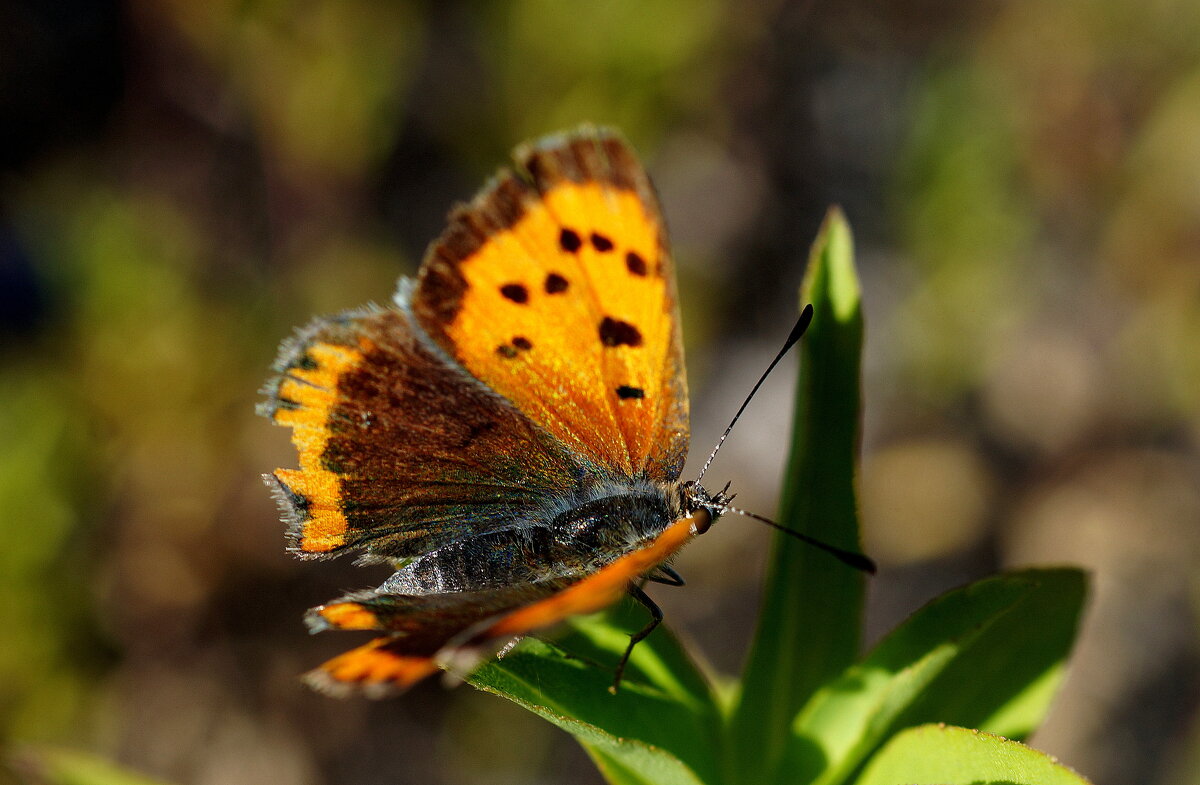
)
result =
(375, 669)
(429, 630)
(555, 287)
(400, 451)
(422, 632)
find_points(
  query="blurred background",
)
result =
(182, 183)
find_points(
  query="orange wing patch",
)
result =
(376, 669)
(310, 390)
(345, 615)
(559, 294)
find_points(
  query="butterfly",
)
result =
(508, 434)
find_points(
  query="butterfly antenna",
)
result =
(856, 560)
(794, 336)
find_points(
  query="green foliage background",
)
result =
(184, 182)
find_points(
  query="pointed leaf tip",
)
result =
(831, 273)
(799, 642)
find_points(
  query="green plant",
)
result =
(808, 709)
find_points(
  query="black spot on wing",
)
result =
(515, 292)
(601, 243)
(475, 431)
(569, 240)
(518, 344)
(555, 284)
(614, 332)
(635, 263)
(625, 392)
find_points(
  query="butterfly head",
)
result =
(703, 507)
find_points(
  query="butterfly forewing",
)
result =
(400, 451)
(555, 288)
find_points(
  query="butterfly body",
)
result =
(508, 433)
(573, 543)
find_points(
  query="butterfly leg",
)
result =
(666, 576)
(656, 617)
(506, 648)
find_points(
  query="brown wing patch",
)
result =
(400, 452)
(561, 255)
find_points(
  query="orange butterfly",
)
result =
(509, 434)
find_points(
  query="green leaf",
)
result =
(647, 733)
(617, 772)
(989, 652)
(808, 631)
(1004, 680)
(941, 755)
(56, 766)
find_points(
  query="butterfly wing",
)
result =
(555, 287)
(417, 627)
(460, 627)
(536, 359)
(400, 451)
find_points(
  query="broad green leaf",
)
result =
(808, 630)
(943, 755)
(1005, 679)
(643, 729)
(617, 772)
(962, 643)
(56, 766)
